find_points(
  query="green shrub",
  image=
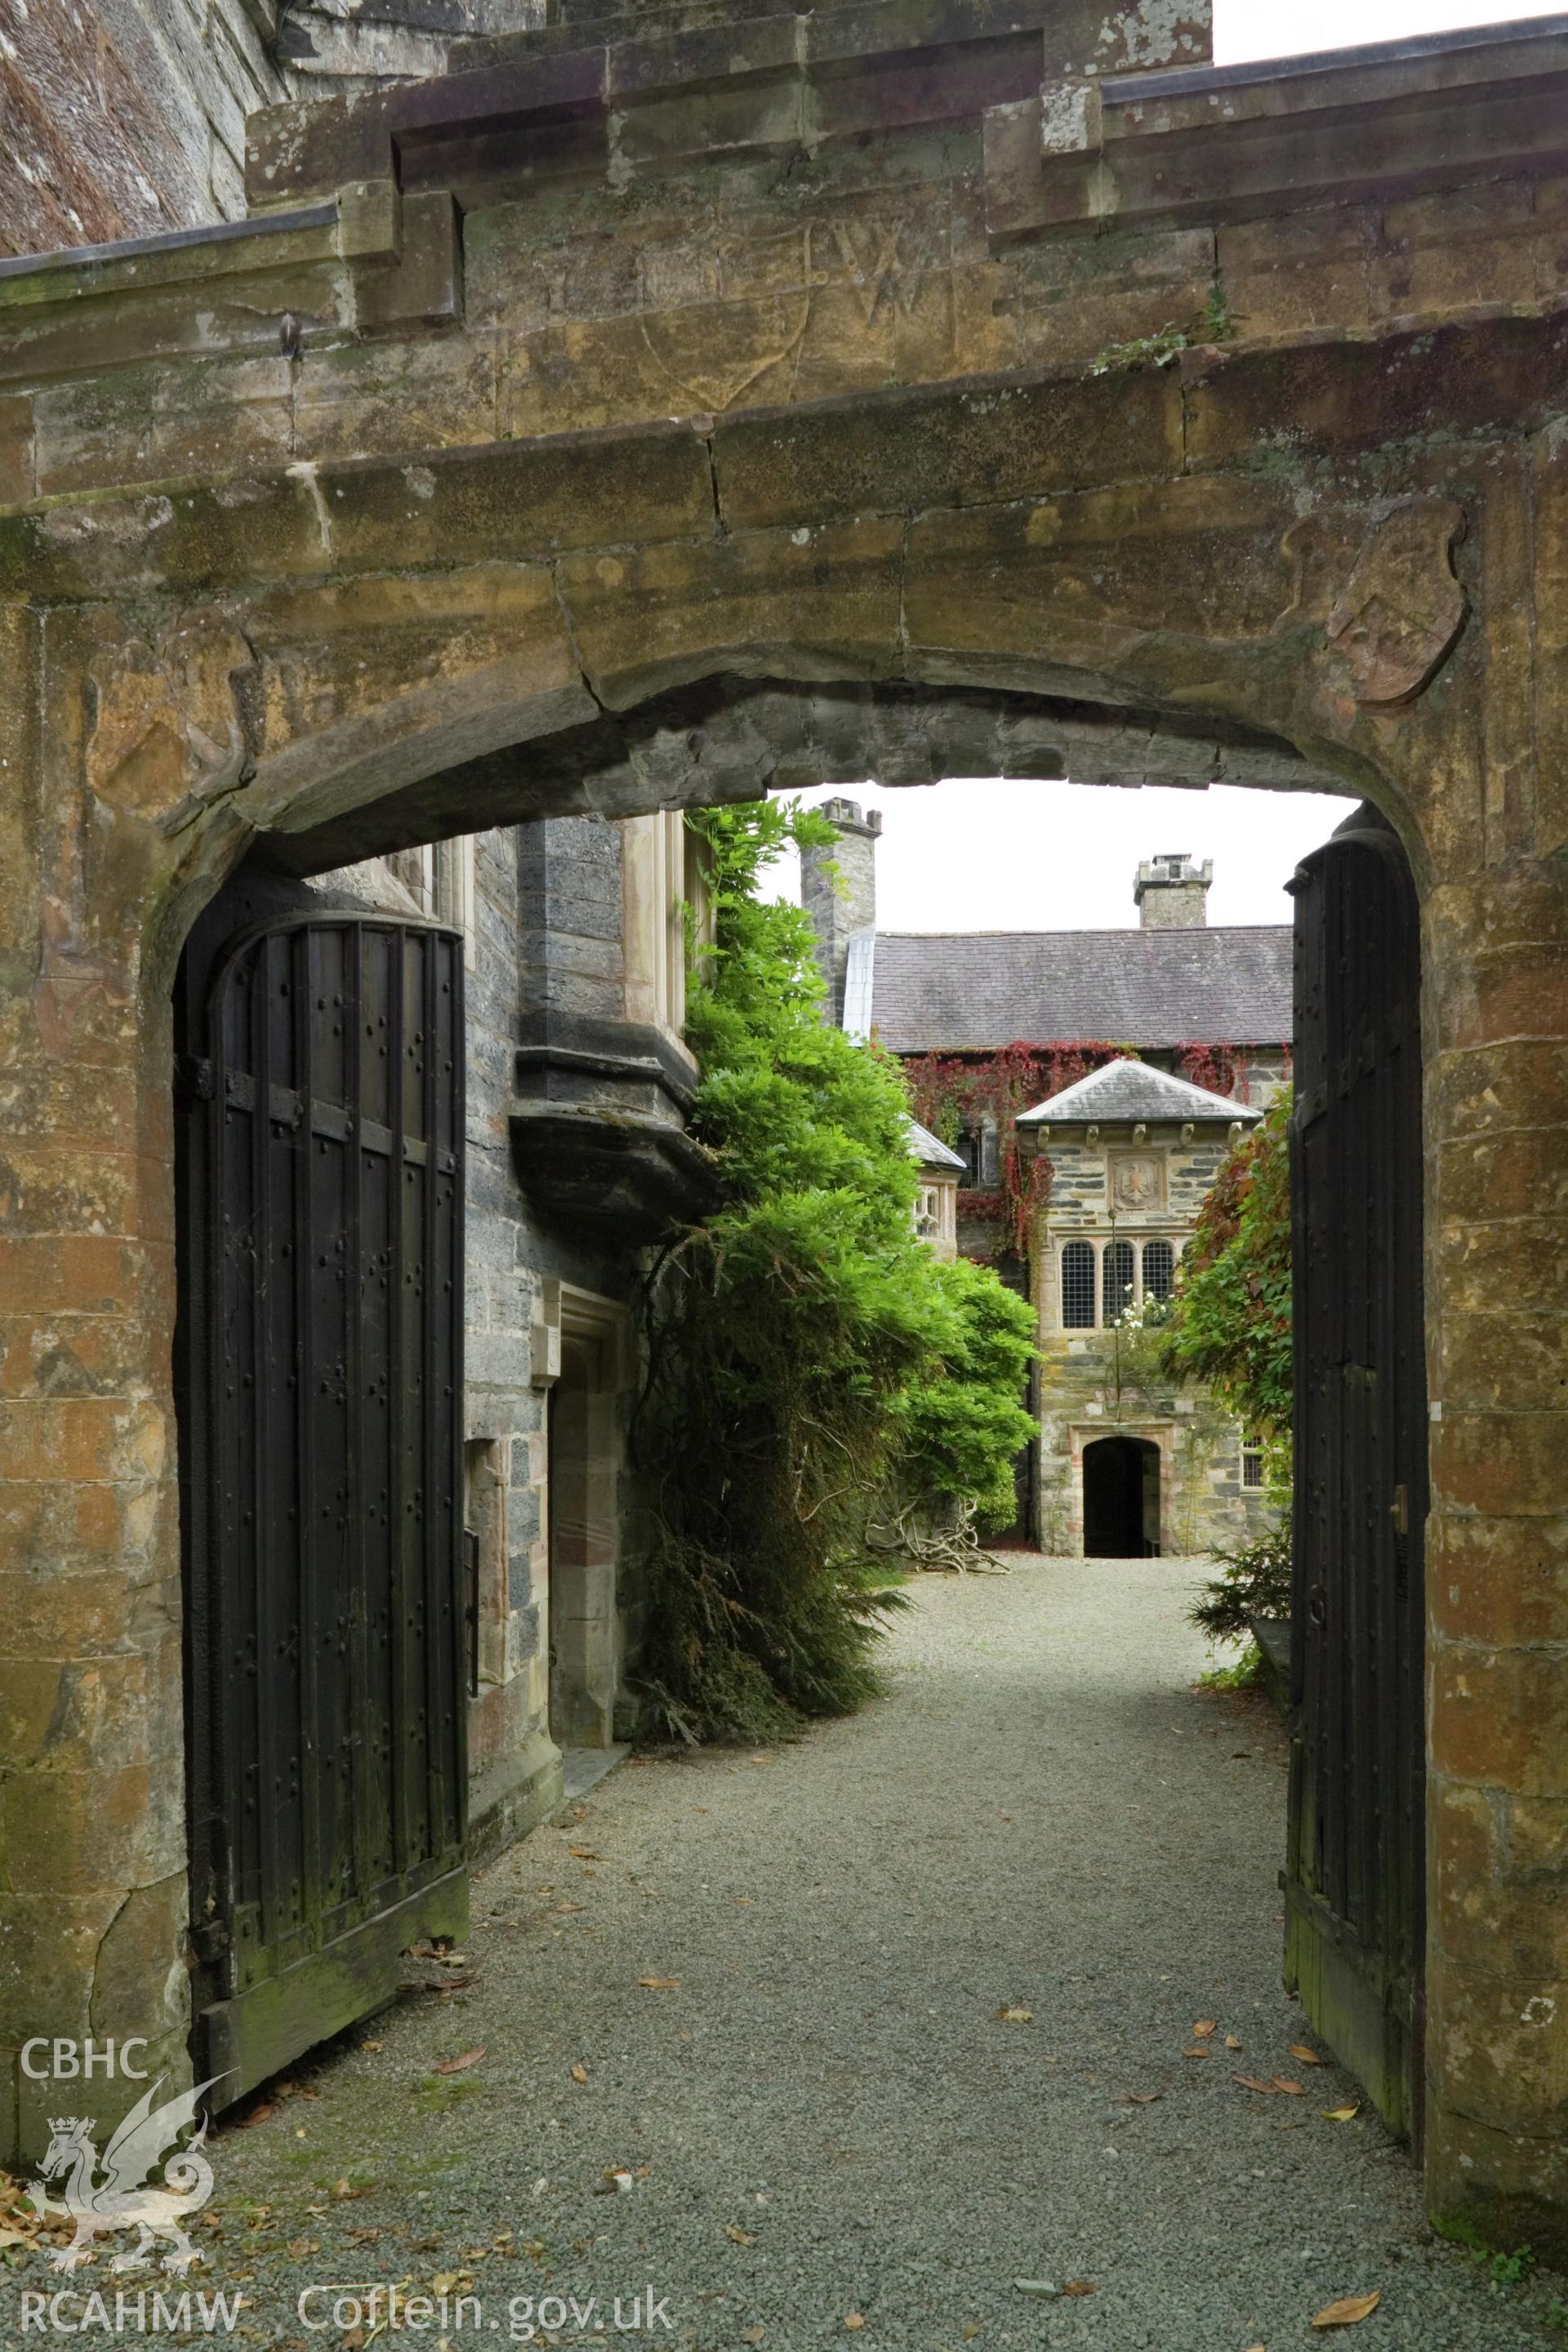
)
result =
(807, 1355)
(1253, 1581)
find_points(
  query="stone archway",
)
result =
(243, 610)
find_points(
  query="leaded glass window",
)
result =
(1078, 1287)
(1116, 1265)
(1159, 1270)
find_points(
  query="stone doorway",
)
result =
(585, 1513)
(1121, 1498)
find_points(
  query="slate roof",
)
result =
(928, 1149)
(1133, 1090)
(937, 992)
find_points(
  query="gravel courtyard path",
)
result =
(824, 2116)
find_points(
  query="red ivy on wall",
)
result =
(952, 1092)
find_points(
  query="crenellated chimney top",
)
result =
(1171, 891)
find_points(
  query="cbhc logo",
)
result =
(74, 2060)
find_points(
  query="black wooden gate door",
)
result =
(320, 1371)
(1355, 1877)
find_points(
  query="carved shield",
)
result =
(1402, 608)
(715, 351)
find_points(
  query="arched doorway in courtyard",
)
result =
(1121, 1498)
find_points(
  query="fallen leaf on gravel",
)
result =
(1348, 2310)
(259, 2114)
(1308, 2057)
(852, 2318)
(753, 2334)
(1016, 2016)
(970, 2330)
(1197, 2050)
(370, 2045)
(1340, 2114)
(1141, 2098)
(584, 1854)
(1232, 2041)
(460, 2065)
(579, 2074)
(444, 2281)
(1292, 2090)
(298, 2247)
(1203, 2028)
(742, 2237)
(563, 1908)
(1080, 2286)
(344, 2189)
(1251, 2082)
(659, 1984)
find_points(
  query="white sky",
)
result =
(1281, 28)
(992, 855)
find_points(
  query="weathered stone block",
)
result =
(1523, 1258)
(1506, 1463)
(806, 604)
(164, 422)
(1503, 2057)
(361, 399)
(1498, 1581)
(941, 449)
(1453, 250)
(1285, 277)
(72, 1832)
(515, 503)
(1499, 1718)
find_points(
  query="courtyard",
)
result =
(771, 1990)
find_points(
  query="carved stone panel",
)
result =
(1137, 1180)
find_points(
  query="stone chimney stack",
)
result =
(1171, 891)
(843, 902)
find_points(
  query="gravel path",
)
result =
(824, 2115)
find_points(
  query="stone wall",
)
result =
(123, 118)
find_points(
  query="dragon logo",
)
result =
(145, 2143)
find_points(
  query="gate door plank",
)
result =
(319, 1363)
(1355, 1878)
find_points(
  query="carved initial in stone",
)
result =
(1402, 609)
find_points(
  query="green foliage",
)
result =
(1211, 323)
(960, 1424)
(1230, 1320)
(803, 1345)
(1245, 1674)
(1253, 1581)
